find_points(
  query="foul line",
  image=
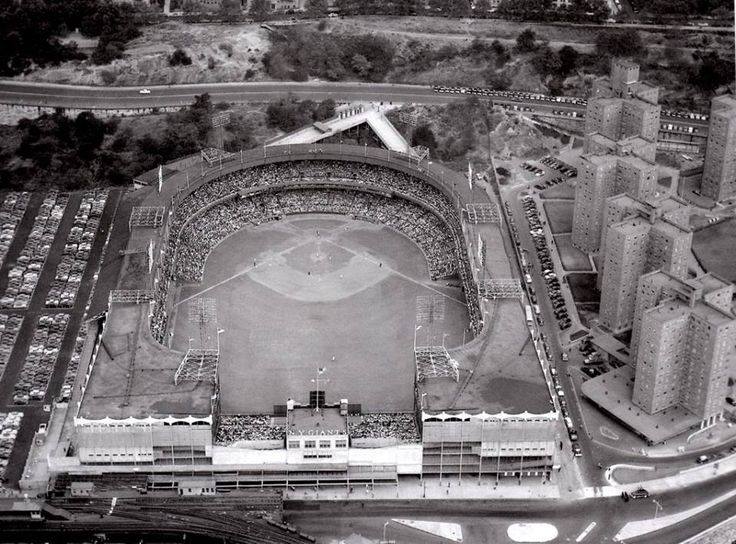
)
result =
(238, 274)
(351, 251)
(400, 274)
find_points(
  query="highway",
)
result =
(85, 97)
(88, 97)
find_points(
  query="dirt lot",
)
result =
(714, 248)
(317, 297)
(146, 58)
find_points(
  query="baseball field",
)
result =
(317, 292)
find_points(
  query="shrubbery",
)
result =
(302, 53)
(289, 114)
(30, 31)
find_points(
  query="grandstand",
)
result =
(164, 392)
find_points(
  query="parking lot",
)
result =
(49, 260)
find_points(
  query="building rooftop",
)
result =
(133, 375)
(724, 105)
(632, 226)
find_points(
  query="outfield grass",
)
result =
(348, 293)
(559, 216)
(714, 247)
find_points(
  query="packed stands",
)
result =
(222, 206)
(217, 223)
(400, 426)
(231, 429)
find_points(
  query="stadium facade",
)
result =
(143, 407)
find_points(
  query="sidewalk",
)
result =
(432, 488)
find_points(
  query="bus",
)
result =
(529, 316)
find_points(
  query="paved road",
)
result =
(87, 97)
(71, 96)
(481, 520)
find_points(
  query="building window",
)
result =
(293, 443)
(310, 444)
(324, 443)
(341, 443)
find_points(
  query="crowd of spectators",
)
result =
(11, 212)
(400, 426)
(232, 429)
(212, 212)
(217, 223)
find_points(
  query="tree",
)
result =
(325, 110)
(526, 42)
(259, 9)
(423, 135)
(179, 58)
(568, 59)
(497, 82)
(361, 65)
(619, 43)
(546, 62)
(482, 7)
(229, 8)
(316, 8)
(500, 52)
(460, 8)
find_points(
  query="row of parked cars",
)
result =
(548, 183)
(9, 327)
(11, 212)
(554, 290)
(63, 291)
(23, 275)
(561, 166)
(72, 367)
(529, 167)
(9, 425)
(41, 359)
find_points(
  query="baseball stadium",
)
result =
(313, 315)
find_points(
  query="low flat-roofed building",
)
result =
(612, 393)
